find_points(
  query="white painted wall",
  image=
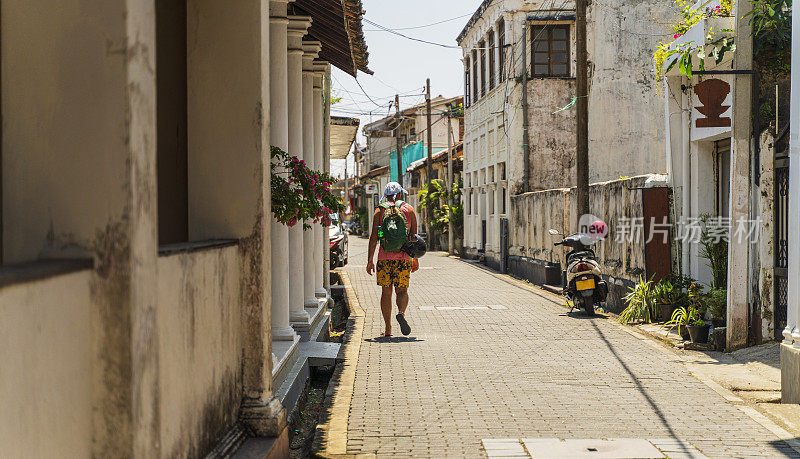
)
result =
(200, 342)
(46, 368)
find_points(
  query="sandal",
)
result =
(404, 327)
(385, 335)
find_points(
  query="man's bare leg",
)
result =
(402, 299)
(386, 308)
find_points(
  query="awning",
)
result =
(343, 134)
(337, 25)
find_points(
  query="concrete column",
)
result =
(739, 281)
(234, 157)
(311, 50)
(279, 133)
(319, 290)
(326, 161)
(790, 347)
(298, 25)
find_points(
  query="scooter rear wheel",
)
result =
(588, 305)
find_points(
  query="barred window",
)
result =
(550, 50)
(492, 60)
(501, 49)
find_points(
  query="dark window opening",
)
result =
(492, 52)
(482, 46)
(550, 50)
(171, 122)
(475, 95)
(722, 162)
(503, 205)
(501, 49)
(467, 98)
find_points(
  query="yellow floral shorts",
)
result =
(394, 272)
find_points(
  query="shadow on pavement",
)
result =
(639, 385)
(394, 339)
(582, 315)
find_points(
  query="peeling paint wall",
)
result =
(551, 133)
(534, 213)
(46, 368)
(766, 244)
(626, 112)
(200, 344)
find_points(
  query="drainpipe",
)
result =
(686, 174)
(526, 148)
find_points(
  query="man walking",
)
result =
(393, 224)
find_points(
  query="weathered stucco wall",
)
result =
(626, 112)
(534, 213)
(46, 368)
(224, 119)
(200, 348)
(551, 133)
(64, 119)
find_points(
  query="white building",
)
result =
(503, 39)
(377, 163)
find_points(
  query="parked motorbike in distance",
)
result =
(583, 283)
(354, 227)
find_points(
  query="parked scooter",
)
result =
(583, 283)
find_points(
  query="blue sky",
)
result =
(402, 65)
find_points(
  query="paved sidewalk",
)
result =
(491, 360)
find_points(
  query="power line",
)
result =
(423, 26)
(386, 29)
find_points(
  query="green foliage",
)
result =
(667, 293)
(717, 302)
(641, 301)
(715, 250)
(363, 218)
(686, 315)
(456, 109)
(772, 24)
(443, 205)
(685, 52)
(300, 193)
(335, 98)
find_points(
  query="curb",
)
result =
(330, 438)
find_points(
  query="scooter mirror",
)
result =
(554, 232)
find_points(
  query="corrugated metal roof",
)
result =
(343, 134)
(337, 25)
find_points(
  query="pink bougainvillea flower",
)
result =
(677, 35)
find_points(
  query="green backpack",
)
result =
(393, 232)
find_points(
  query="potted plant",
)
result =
(682, 318)
(641, 303)
(717, 301)
(698, 331)
(667, 298)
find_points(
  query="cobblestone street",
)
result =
(489, 359)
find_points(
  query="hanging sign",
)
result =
(371, 188)
(712, 94)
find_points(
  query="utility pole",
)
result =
(526, 148)
(450, 236)
(428, 169)
(346, 191)
(397, 137)
(582, 118)
(739, 315)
